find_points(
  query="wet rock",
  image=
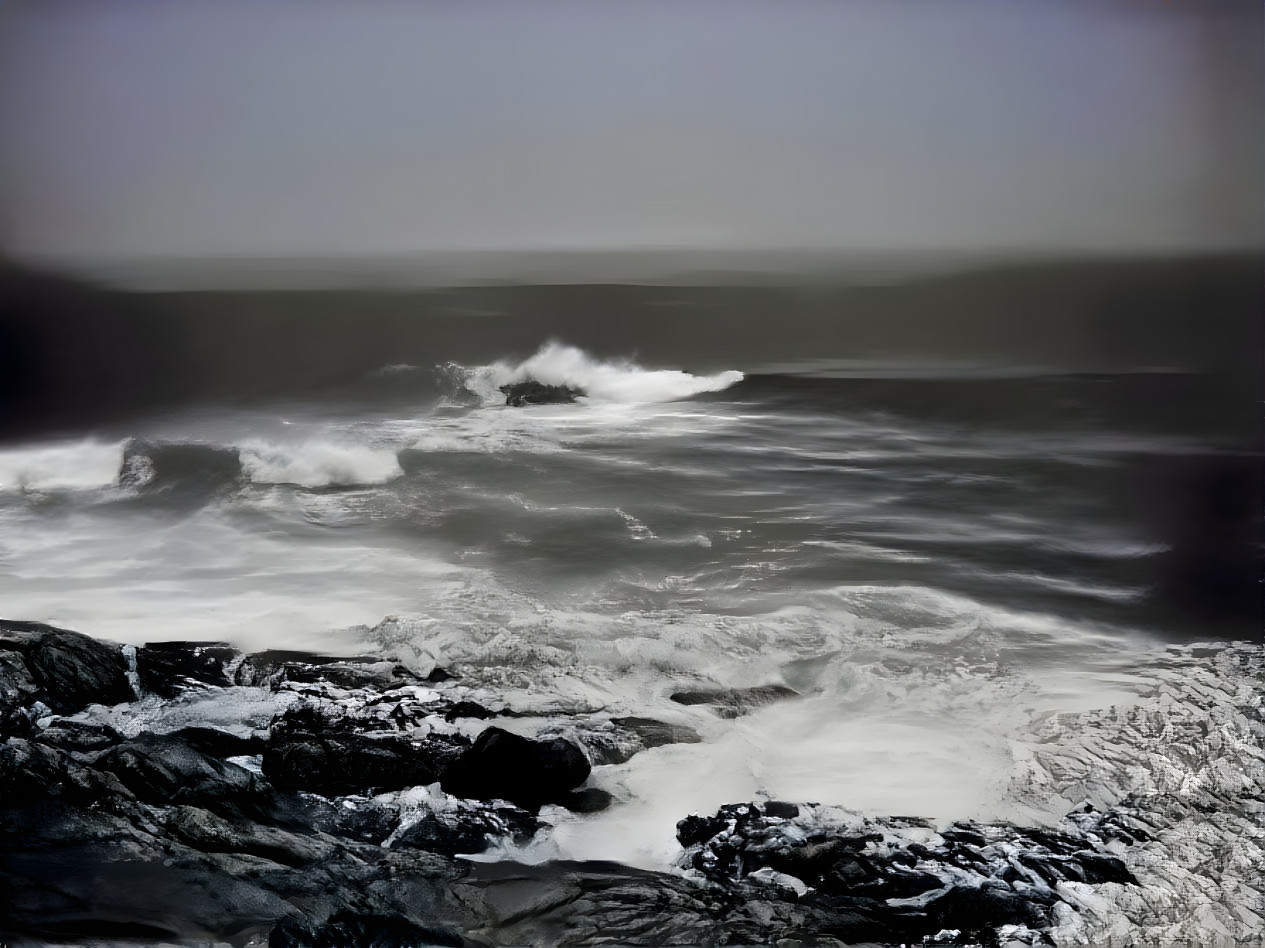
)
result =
(269, 665)
(164, 770)
(341, 764)
(207, 832)
(735, 702)
(352, 928)
(344, 674)
(467, 828)
(36, 774)
(532, 392)
(505, 766)
(602, 903)
(217, 743)
(168, 668)
(362, 819)
(69, 670)
(619, 739)
(586, 800)
(466, 709)
(18, 691)
(81, 736)
(896, 879)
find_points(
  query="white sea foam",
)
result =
(75, 465)
(620, 381)
(318, 464)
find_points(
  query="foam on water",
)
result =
(622, 382)
(910, 700)
(318, 463)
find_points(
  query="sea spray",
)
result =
(619, 381)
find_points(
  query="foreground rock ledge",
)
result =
(343, 822)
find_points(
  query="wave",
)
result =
(78, 465)
(180, 467)
(617, 381)
(318, 464)
(155, 467)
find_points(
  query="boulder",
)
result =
(69, 670)
(505, 766)
(340, 764)
(735, 702)
(531, 392)
(165, 770)
(467, 828)
(168, 668)
(37, 775)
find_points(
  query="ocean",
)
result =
(949, 512)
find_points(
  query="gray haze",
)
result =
(139, 128)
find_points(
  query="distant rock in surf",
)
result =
(735, 702)
(531, 392)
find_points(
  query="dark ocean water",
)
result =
(937, 546)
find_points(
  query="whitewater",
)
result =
(968, 616)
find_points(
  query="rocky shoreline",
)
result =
(335, 800)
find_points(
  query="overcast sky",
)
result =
(198, 127)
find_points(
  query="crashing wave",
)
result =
(319, 464)
(618, 381)
(76, 465)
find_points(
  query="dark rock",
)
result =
(467, 828)
(698, 829)
(466, 709)
(618, 740)
(207, 832)
(18, 691)
(263, 667)
(81, 736)
(438, 674)
(340, 764)
(1100, 867)
(737, 701)
(342, 674)
(991, 905)
(216, 743)
(69, 670)
(587, 800)
(352, 928)
(602, 903)
(168, 668)
(654, 733)
(505, 766)
(780, 810)
(531, 392)
(32, 774)
(104, 883)
(855, 871)
(364, 820)
(164, 770)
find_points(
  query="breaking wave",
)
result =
(76, 465)
(318, 464)
(618, 381)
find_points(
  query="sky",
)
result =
(191, 128)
